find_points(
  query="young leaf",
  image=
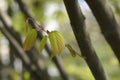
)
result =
(42, 43)
(57, 42)
(30, 39)
(72, 51)
(52, 55)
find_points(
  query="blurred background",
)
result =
(53, 16)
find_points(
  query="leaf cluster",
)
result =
(55, 38)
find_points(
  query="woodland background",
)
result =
(16, 64)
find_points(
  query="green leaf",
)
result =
(42, 43)
(57, 43)
(30, 39)
(72, 51)
(52, 55)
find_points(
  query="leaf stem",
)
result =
(38, 26)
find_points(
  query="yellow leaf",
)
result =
(52, 55)
(57, 42)
(42, 43)
(72, 52)
(30, 39)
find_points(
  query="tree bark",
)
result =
(77, 21)
(108, 25)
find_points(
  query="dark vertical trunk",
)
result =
(77, 21)
(108, 25)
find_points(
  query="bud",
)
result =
(72, 51)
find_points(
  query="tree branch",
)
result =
(77, 21)
(20, 52)
(57, 62)
(38, 71)
(107, 22)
